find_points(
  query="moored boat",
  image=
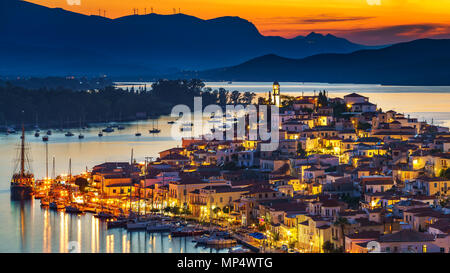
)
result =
(159, 227)
(22, 182)
(184, 232)
(74, 209)
(45, 202)
(104, 215)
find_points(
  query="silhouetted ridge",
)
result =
(53, 41)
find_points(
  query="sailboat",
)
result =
(137, 133)
(68, 133)
(120, 127)
(155, 130)
(22, 183)
(80, 136)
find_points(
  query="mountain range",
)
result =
(42, 41)
(420, 62)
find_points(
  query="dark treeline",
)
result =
(64, 107)
(73, 83)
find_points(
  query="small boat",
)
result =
(120, 223)
(158, 227)
(138, 134)
(171, 122)
(74, 209)
(100, 134)
(45, 138)
(120, 127)
(216, 239)
(39, 195)
(155, 130)
(185, 129)
(104, 215)
(10, 130)
(184, 232)
(36, 134)
(49, 132)
(137, 225)
(68, 134)
(239, 249)
(80, 136)
(57, 205)
(45, 203)
(108, 130)
(91, 208)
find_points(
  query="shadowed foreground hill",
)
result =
(42, 41)
(420, 62)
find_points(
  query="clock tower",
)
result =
(276, 94)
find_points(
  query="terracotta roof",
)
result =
(407, 236)
(369, 234)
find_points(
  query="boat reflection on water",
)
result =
(42, 230)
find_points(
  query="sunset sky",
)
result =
(362, 21)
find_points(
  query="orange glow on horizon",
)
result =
(361, 21)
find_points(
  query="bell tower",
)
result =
(276, 94)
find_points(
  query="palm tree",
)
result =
(342, 222)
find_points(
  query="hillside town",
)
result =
(346, 177)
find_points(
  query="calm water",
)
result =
(25, 227)
(423, 102)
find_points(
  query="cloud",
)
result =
(73, 2)
(395, 34)
(374, 2)
(375, 36)
(316, 19)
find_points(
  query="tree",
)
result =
(82, 183)
(342, 222)
(226, 209)
(328, 247)
(322, 100)
(445, 173)
(364, 126)
(247, 97)
(175, 210)
(276, 236)
(235, 97)
(300, 151)
(216, 210)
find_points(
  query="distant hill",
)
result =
(41, 41)
(420, 62)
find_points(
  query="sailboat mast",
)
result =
(131, 182)
(46, 160)
(53, 170)
(22, 154)
(70, 180)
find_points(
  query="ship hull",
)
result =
(21, 192)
